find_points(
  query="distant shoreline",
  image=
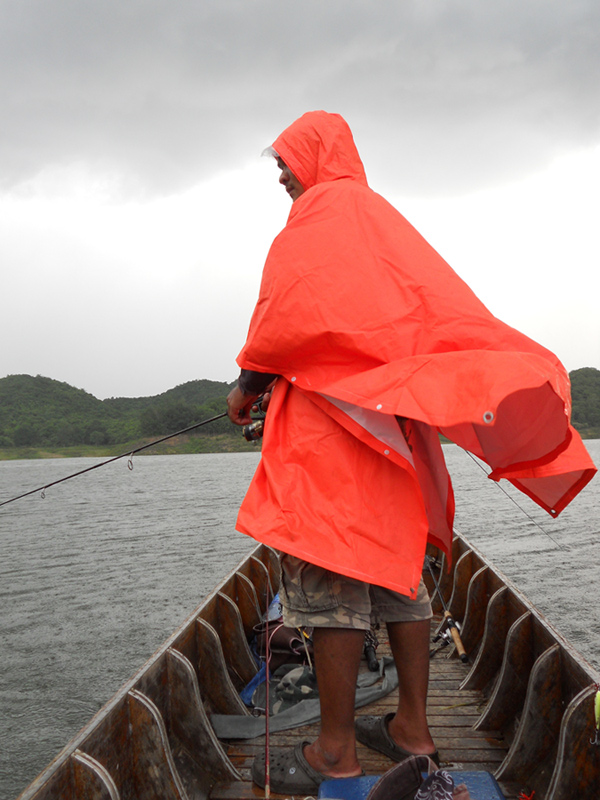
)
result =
(184, 445)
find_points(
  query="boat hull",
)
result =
(526, 713)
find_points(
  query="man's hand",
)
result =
(239, 406)
(266, 398)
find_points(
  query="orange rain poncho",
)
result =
(365, 322)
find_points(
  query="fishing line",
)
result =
(129, 455)
(512, 499)
(267, 700)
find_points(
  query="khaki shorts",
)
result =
(313, 597)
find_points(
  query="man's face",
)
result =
(287, 178)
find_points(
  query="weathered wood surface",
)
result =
(153, 766)
(577, 763)
(214, 676)
(223, 614)
(91, 780)
(189, 722)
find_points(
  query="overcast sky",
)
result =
(136, 212)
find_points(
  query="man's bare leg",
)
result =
(410, 647)
(337, 658)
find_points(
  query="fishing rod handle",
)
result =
(462, 653)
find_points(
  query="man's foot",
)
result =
(341, 763)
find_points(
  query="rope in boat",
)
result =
(129, 454)
(512, 499)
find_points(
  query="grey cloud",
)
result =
(442, 95)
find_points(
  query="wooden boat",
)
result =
(522, 708)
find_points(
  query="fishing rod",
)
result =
(129, 454)
(448, 618)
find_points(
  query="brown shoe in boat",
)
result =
(373, 731)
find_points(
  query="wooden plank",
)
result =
(533, 749)
(578, 761)
(212, 669)
(109, 743)
(491, 650)
(258, 574)
(91, 780)
(155, 774)
(189, 723)
(511, 688)
(478, 597)
(463, 571)
(240, 661)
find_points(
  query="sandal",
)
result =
(290, 772)
(373, 731)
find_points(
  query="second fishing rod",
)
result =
(448, 621)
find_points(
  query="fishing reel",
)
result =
(255, 429)
(449, 629)
(444, 637)
(444, 631)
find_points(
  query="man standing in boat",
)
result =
(375, 346)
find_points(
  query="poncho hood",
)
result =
(318, 148)
(361, 316)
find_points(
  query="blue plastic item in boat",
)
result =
(481, 786)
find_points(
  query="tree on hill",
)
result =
(173, 415)
(20, 392)
(198, 392)
(585, 392)
(39, 411)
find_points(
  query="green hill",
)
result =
(40, 416)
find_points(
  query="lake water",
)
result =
(95, 576)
